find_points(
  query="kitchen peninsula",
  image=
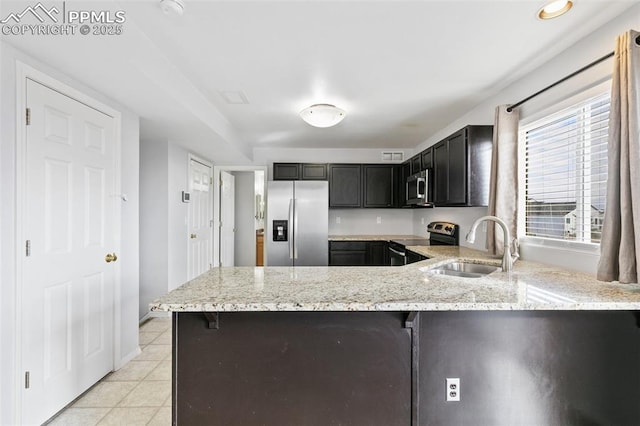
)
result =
(374, 345)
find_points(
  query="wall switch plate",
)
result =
(422, 221)
(378, 220)
(453, 389)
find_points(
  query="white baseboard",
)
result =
(125, 359)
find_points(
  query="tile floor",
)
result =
(137, 394)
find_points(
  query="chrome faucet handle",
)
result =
(516, 249)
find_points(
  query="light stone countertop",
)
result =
(530, 286)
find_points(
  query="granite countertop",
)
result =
(373, 237)
(530, 286)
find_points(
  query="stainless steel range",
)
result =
(443, 234)
(440, 233)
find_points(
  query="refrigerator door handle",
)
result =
(295, 229)
(291, 228)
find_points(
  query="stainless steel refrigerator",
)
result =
(297, 223)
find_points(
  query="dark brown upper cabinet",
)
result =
(345, 185)
(286, 171)
(379, 185)
(416, 164)
(299, 171)
(462, 164)
(427, 158)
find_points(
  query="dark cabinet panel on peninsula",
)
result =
(345, 185)
(389, 368)
(292, 368)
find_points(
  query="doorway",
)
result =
(240, 195)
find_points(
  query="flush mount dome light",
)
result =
(322, 115)
(553, 9)
(172, 7)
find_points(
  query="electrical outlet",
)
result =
(422, 220)
(338, 220)
(378, 220)
(453, 389)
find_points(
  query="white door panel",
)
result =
(200, 219)
(68, 288)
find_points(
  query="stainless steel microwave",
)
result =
(418, 189)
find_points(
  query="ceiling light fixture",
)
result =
(172, 7)
(555, 8)
(322, 115)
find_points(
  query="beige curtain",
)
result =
(503, 190)
(620, 245)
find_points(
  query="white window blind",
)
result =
(566, 172)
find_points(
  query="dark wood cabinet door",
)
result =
(405, 172)
(457, 169)
(416, 164)
(347, 253)
(345, 185)
(377, 253)
(378, 185)
(427, 159)
(440, 173)
(286, 171)
(313, 171)
(348, 258)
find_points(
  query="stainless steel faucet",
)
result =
(507, 261)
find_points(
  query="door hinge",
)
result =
(26, 380)
(211, 223)
(28, 248)
(28, 116)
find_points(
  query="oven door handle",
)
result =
(397, 252)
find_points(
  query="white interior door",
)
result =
(68, 288)
(227, 218)
(200, 219)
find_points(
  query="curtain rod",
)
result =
(586, 67)
(562, 80)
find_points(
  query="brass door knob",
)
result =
(110, 257)
(193, 235)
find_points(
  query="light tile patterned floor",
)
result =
(137, 394)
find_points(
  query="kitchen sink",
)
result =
(464, 269)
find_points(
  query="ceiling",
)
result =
(401, 69)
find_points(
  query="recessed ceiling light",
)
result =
(322, 115)
(555, 8)
(172, 7)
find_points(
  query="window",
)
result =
(565, 172)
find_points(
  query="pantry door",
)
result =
(69, 264)
(200, 218)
